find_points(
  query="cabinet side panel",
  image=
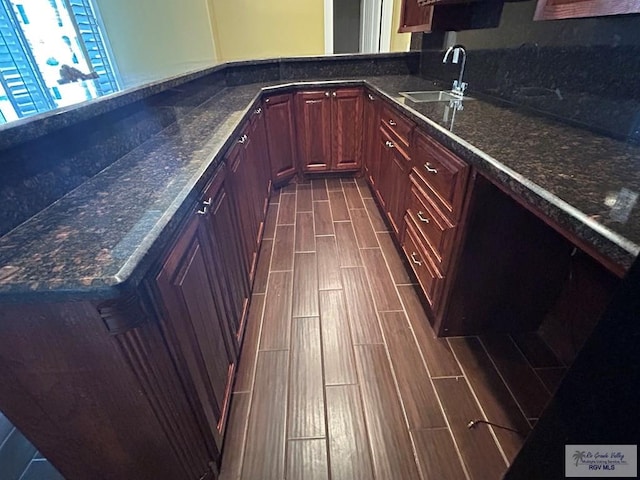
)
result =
(67, 387)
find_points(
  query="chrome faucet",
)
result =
(458, 85)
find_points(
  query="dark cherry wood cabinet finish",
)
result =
(346, 118)
(194, 320)
(415, 16)
(241, 184)
(313, 116)
(370, 150)
(557, 9)
(98, 404)
(440, 173)
(249, 187)
(226, 239)
(329, 126)
(281, 137)
(394, 179)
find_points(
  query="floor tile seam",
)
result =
(431, 380)
(495, 366)
(255, 360)
(399, 398)
(479, 405)
(393, 373)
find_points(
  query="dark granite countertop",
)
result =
(102, 237)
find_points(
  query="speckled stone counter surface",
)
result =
(102, 237)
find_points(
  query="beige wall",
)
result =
(399, 41)
(273, 28)
(154, 39)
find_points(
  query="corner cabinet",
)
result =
(557, 9)
(280, 128)
(329, 126)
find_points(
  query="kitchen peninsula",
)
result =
(94, 287)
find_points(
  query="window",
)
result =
(52, 54)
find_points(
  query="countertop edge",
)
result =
(142, 258)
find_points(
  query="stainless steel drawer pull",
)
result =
(389, 144)
(207, 202)
(392, 123)
(326, 94)
(334, 94)
(413, 258)
(430, 169)
(422, 219)
(258, 111)
(371, 97)
(203, 211)
(242, 139)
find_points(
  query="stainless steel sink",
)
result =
(432, 96)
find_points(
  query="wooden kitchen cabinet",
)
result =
(241, 185)
(281, 141)
(415, 16)
(330, 129)
(394, 180)
(259, 153)
(557, 9)
(228, 261)
(249, 189)
(195, 324)
(370, 150)
(440, 173)
(313, 115)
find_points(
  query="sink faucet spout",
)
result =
(458, 85)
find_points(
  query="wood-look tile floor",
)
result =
(341, 376)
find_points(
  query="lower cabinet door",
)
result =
(194, 323)
(394, 181)
(227, 254)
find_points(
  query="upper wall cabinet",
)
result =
(447, 15)
(556, 9)
(415, 16)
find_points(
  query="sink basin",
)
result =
(431, 96)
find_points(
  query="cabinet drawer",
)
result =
(442, 174)
(430, 278)
(397, 123)
(436, 230)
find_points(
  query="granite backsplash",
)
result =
(44, 159)
(597, 87)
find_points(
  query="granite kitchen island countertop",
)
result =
(101, 238)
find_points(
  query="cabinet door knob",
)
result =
(267, 100)
(334, 94)
(242, 139)
(326, 94)
(423, 219)
(207, 202)
(392, 123)
(258, 111)
(413, 258)
(371, 97)
(430, 169)
(203, 211)
(389, 144)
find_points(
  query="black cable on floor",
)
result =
(473, 423)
